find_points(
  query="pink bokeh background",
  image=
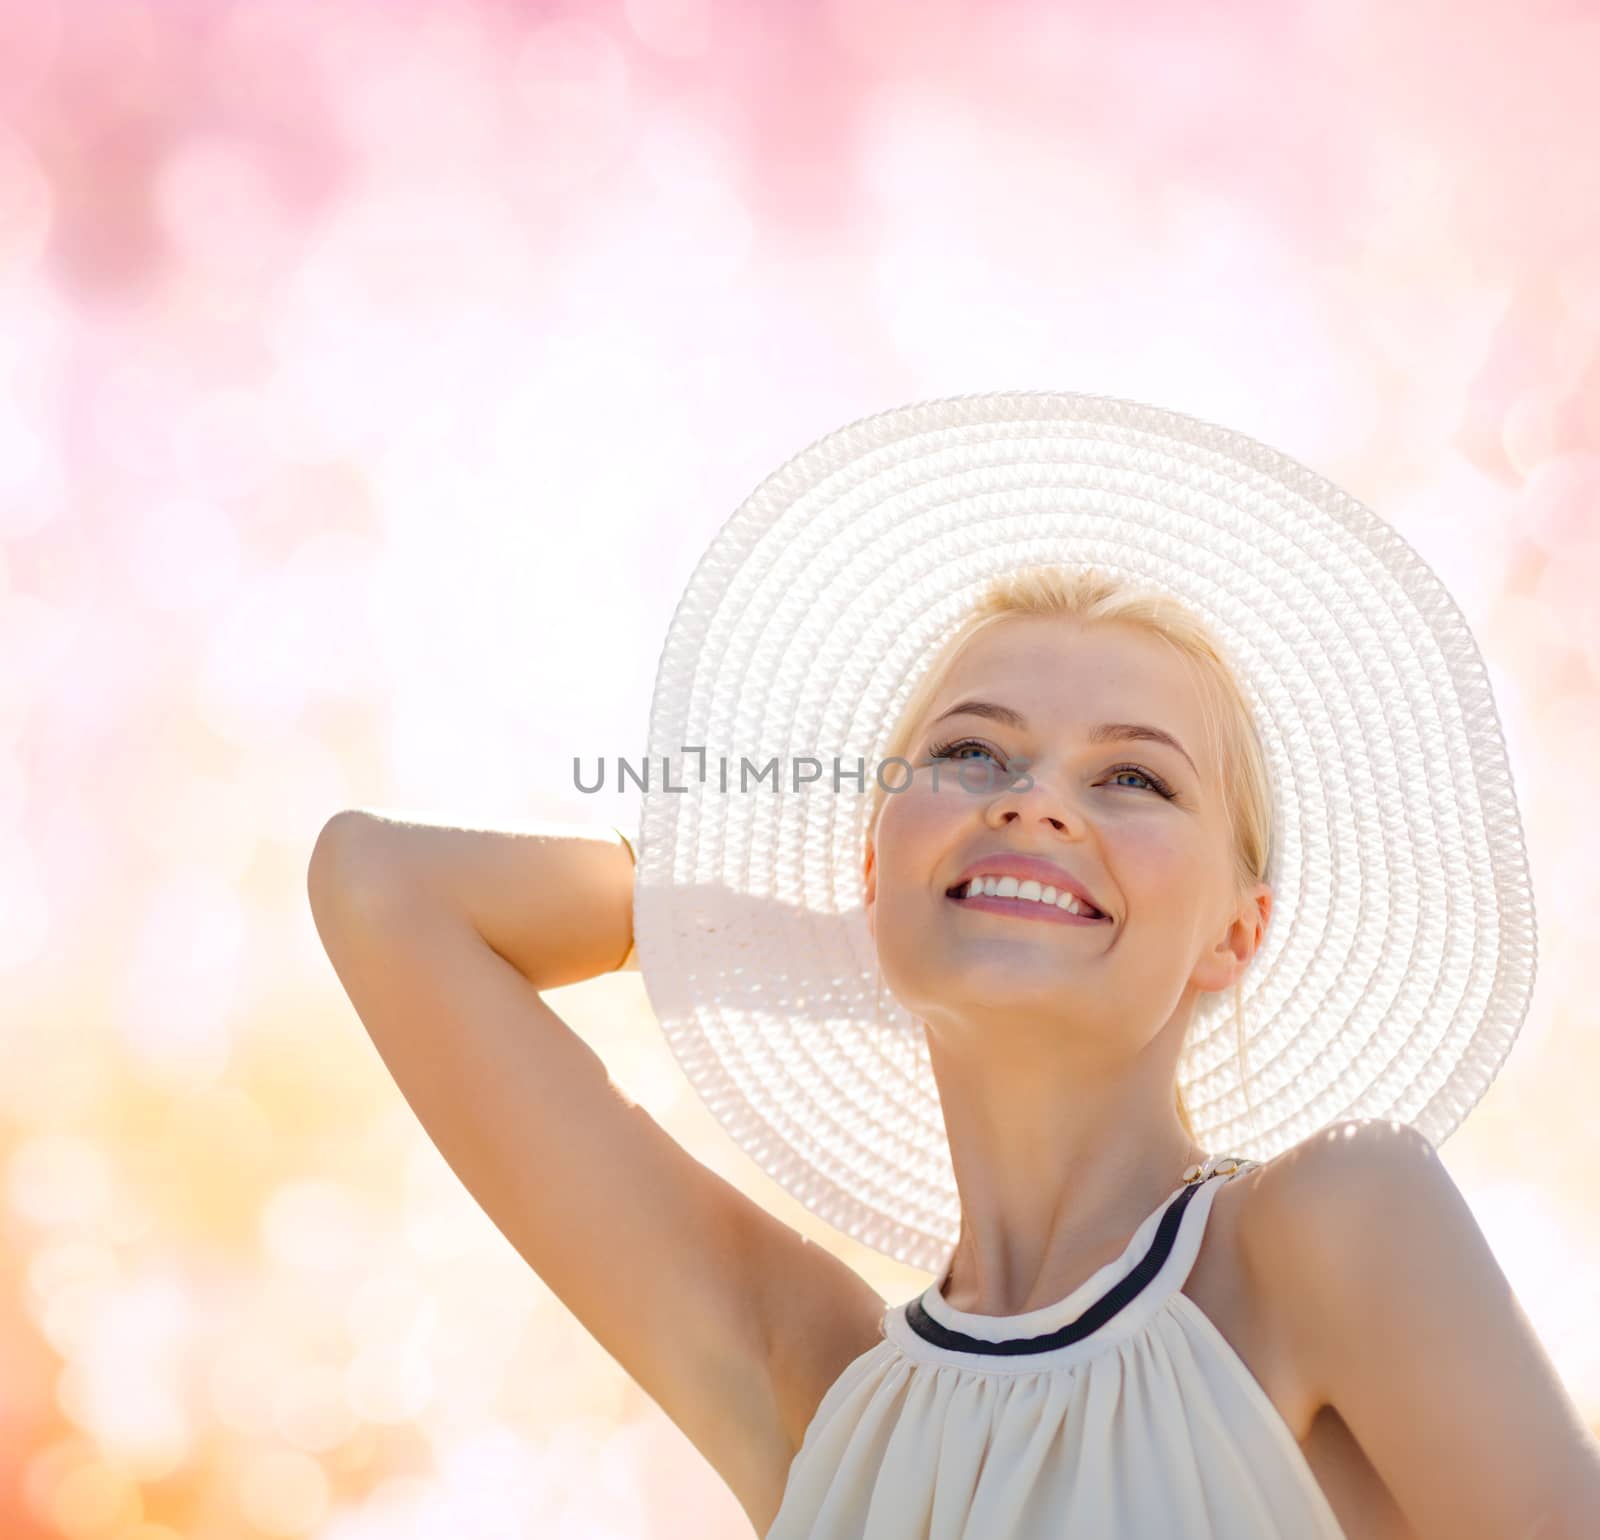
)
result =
(371, 379)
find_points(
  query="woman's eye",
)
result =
(948, 750)
(1155, 784)
(956, 748)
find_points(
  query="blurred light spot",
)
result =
(489, 1471)
(896, 34)
(296, 432)
(678, 29)
(72, 833)
(24, 909)
(123, 1381)
(1461, 521)
(1543, 421)
(687, 156)
(228, 1126)
(283, 1492)
(441, 1220)
(291, 635)
(59, 1179)
(1578, 285)
(183, 817)
(25, 204)
(390, 1385)
(391, 1309)
(399, 1508)
(699, 239)
(109, 673)
(31, 481)
(311, 1411)
(1570, 725)
(182, 555)
(218, 208)
(33, 43)
(67, 1281)
(572, 82)
(46, 1465)
(916, 144)
(35, 324)
(95, 1501)
(309, 782)
(318, 1226)
(1560, 505)
(1522, 635)
(183, 978)
(340, 385)
(13, 798)
(119, 63)
(138, 1420)
(129, 407)
(599, 1459)
(325, 578)
(618, 1494)
(217, 445)
(1568, 585)
(243, 1384)
(472, 1356)
(412, 99)
(1550, 1261)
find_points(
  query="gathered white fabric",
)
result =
(1117, 1413)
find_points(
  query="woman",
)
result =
(1131, 1332)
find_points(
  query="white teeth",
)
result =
(1010, 887)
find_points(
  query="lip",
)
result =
(1026, 909)
(1026, 868)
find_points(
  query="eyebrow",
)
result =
(1104, 732)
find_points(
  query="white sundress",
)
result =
(1117, 1413)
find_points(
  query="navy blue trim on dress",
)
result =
(1092, 1319)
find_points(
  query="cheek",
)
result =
(916, 832)
(915, 819)
(1161, 868)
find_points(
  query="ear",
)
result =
(1242, 938)
(869, 873)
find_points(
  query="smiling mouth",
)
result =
(1066, 906)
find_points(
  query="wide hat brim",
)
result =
(1399, 962)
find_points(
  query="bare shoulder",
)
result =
(1273, 1220)
(1356, 1166)
(1396, 1314)
(1332, 1206)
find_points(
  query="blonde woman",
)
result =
(1179, 914)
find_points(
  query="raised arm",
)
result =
(443, 938)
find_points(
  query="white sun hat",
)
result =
(1399, 962)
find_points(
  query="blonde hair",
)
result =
(1089, 596)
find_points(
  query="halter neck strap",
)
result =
(1112, 1301)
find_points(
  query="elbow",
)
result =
(347, 865)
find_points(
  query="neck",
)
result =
(1056, 1166)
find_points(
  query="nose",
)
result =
(1039, 801)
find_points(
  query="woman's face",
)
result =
(1159, 866)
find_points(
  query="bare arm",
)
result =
(1411, 1331)
(443, 939)
(554, 900)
